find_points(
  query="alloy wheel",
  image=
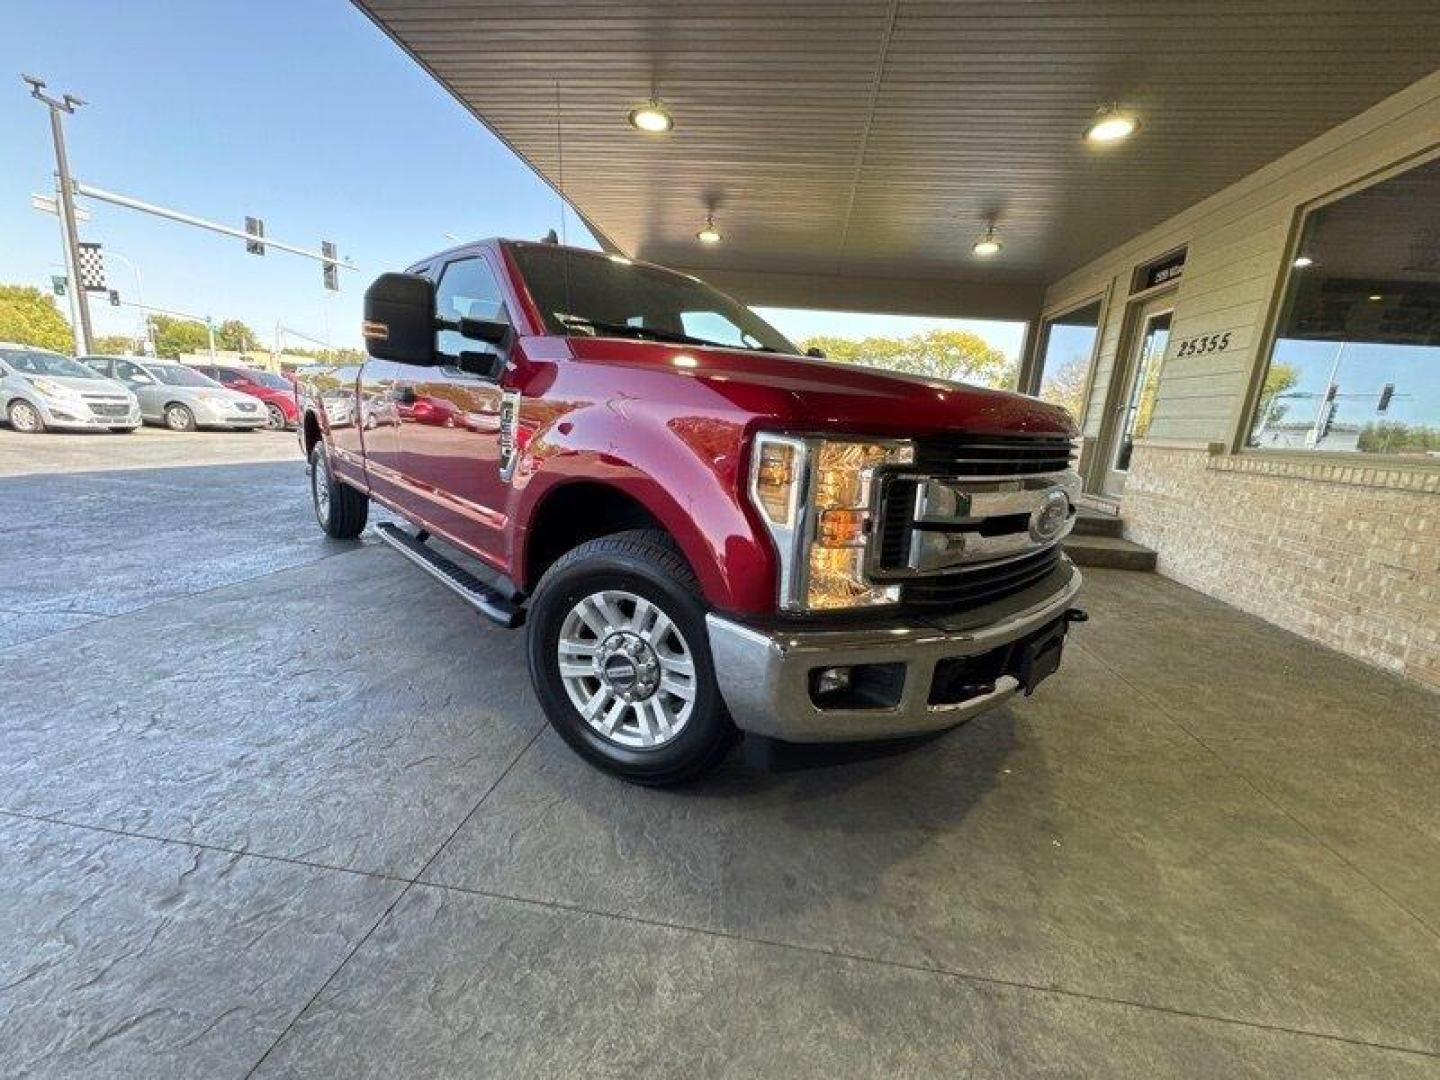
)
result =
(24, 418)
(627, 669)
(320, 486)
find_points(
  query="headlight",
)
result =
(210, 397)
(49, 389)
(815, 497)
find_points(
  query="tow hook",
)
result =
(1076, 614)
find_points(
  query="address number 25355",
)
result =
(1205, 343)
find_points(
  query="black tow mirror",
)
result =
(490, 331)
(400, 319)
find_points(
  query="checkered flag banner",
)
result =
(92, 268)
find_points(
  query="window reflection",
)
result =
(1356, 362)
(1065, 364)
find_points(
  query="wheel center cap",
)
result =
(627, 664)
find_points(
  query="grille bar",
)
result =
(991, 583)
(977, 458)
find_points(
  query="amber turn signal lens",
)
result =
(775, 482)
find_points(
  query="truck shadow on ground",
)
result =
(858, 838)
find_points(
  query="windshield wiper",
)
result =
(630, 330)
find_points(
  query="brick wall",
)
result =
(1348, 556)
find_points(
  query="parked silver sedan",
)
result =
(41, 390)
(180, 397)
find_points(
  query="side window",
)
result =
(712, 326)
(128, 372)
(467, 290)
(225, 377)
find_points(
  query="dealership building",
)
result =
(1237, 291)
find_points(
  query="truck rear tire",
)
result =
(340, 509)
(621, 663)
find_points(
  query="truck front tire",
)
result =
(340, 509)
(621, 663)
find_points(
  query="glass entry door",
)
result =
(1139, 383)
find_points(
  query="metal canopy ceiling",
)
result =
(873, 139)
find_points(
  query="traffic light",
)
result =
(1386, 393)
(332, 269)
(114, 297)
(256, 228)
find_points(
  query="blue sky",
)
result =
(303, 114)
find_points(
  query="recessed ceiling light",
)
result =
(1302, 261)
(652, 117)
(987, 245)
(621, 259)
(709, 234)
(1111, 126)
(1376, 296)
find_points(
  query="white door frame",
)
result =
(1139, 311)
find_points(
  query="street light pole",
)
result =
(66, 103)
(111, 253)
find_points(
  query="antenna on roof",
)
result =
(560, 189)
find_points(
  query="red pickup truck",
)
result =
(704, 532)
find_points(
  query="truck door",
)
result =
(449, 420)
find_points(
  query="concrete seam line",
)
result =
(1245, 777)
(948, 973)
(154, 838)
(393, 904)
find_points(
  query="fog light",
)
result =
(833, 679)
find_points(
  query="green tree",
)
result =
(327, 356)
(1065, 385)
(1278, 380)
(113, 345)
(938, 354)
(176, 336)
(29, 317)
(234, 336)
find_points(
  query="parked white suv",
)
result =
(40, 389)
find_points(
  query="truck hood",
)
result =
(800, 392)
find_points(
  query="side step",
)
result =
(1089, 523)
(1108, 551)
(490, 602)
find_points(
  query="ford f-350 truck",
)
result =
(703, 532)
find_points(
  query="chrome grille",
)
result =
(110, 410)
(963, 525)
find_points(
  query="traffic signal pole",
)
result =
(66, 103)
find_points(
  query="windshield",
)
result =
(270, 379)
(595, 295)
(35, 362)
(179, 375)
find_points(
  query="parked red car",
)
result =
(704, 531)
(276, 391)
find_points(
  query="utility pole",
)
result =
(66, 103)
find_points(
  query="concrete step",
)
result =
(1112, 552)
(1089, 523)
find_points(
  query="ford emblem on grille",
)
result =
(1047, 520)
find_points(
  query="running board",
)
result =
(484, 599)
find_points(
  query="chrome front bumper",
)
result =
(765, 674)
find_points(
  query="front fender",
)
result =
(684, 470)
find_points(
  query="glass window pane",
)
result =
(467, 290)
(1356, 362)
(1065, 365)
